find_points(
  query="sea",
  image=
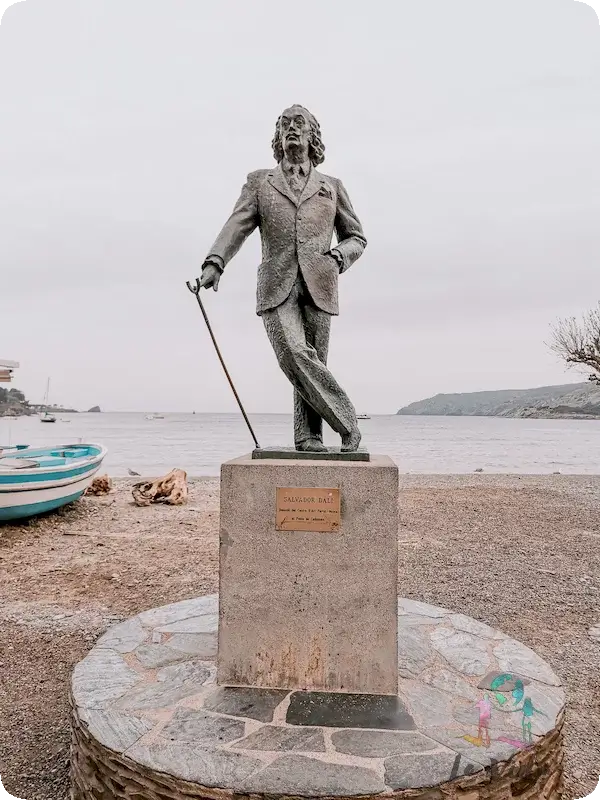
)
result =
(199, 443)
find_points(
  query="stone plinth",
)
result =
(331, 454)
(307, 609)
(478, 716)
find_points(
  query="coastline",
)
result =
(519, 552)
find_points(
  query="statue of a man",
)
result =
(297, 210)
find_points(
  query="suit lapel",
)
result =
(277, 179)
(313, 184)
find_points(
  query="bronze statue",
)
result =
(297, 210)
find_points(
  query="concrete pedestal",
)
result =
(308, 609)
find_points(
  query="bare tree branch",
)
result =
(577, 342)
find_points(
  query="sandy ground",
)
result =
(520, 553)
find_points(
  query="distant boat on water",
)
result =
(363, 416)
(154, 416)
(46, 417)
(34, 481)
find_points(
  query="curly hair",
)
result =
(316, 148)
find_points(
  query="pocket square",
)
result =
(324, 192)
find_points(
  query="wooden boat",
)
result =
(46, 478)
(12, 447)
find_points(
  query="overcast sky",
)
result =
(466, 133)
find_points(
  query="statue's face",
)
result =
(295, 131)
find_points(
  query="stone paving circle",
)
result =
(478, 715)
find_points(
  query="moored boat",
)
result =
(46, 416)
(46, 478)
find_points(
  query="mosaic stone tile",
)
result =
(292, 774)
(381, 744)
(115, 730)
(165, 615)
(278, 738)
(414, 770)
(211, 768)
(124, 637)
(258, 704)
(203, 645)
(470, 625)
(414, 652)
(465, 652)
(103, 676)
(156, 695)
(195, 671)
(202, 728)
(504, 743)
(153, 656)
(449, 682)
(421, 609)
(427, 705)
(516, 657)
(409, 620)
(501, 681)
(206, 623)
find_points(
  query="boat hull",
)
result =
(27, 493)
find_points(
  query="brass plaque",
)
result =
(308, 510)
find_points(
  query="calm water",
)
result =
(199, 443)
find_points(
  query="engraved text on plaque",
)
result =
(308, 510)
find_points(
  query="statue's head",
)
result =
(298, 132)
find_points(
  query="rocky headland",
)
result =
(568, 401)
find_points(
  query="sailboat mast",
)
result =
(46, 396)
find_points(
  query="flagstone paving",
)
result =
(475, 708)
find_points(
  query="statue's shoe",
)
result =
(351, 441)
(311, 446)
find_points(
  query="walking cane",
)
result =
(195, 290)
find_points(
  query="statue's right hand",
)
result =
(211, 276)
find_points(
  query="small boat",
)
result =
(46, 478)
(12, 448)
(154, 416)
(363, 416)
(46, 416)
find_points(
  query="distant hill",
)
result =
(569, 401)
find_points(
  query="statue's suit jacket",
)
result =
(296, 235)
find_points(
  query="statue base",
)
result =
(288, 453)
(150, 722)
(308, 574)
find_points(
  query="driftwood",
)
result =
(100, 486)
(172, 489)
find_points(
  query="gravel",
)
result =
(521, 553)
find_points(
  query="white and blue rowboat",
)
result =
(46, 478)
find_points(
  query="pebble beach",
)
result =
(520, 553)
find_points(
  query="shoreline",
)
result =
(518, 552)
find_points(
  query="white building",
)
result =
(6, 368)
